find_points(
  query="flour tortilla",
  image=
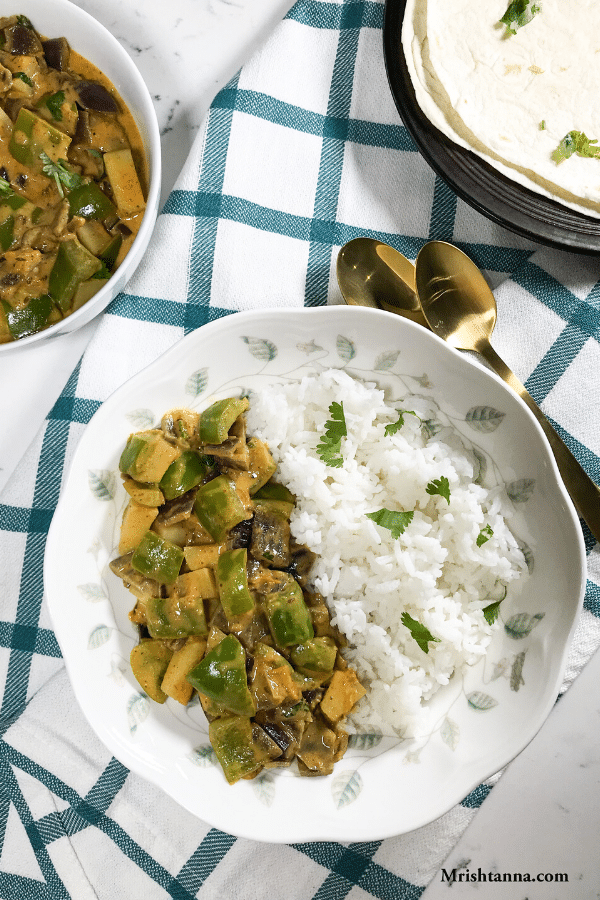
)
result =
(490, 94)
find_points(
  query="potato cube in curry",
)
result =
(343, 691)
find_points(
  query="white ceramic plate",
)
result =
(381, 787)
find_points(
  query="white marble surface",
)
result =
(542, 819)
(186, 50)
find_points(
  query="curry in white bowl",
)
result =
(73, 180)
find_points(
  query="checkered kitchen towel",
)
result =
(301, 152)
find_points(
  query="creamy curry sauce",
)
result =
(46, 200)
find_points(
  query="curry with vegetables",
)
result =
(223, 604)
(73, 180)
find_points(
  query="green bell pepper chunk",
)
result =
(232, 581)
(183, 474)
(90, 201)
(231, 739)
(316, 656)
(216, 421)
(149, 661)
(15, 202)
(261, 465)
(147, 455)
(169, 618)
(281, 509)
(29, 319)
(288, 615)
(73, 265)
(9, 207)
(7, 232)
(157, 558)
(144, 494)
(274, 491)
(32, 136)
(109, 255)
(218, 507)
(221, 676)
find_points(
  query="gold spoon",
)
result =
(460, 308)
(371, 273)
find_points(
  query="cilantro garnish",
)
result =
(394, 427)
(61, 174)
(25, 22)
(396, 522)
(491, 611)
(102, 272)
(439, 486)
(329, 447)
(5, 189)
(543, 125)
(484, 535)
(518, 14)
(575, 142)
(54, 104)
(419, 632)
(23, 77)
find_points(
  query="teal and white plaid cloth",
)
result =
(301, 152)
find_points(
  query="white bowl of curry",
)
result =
(79, 170)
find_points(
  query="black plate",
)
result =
(477, 183)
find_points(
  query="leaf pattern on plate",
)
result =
(197, 382)
(450, 733)
(102, 483)
(364, 741)
(413, 756)
(203, 756)
(480, 466)
(423, 380)
(345, 348)
(500, 668)
(528, 554)
(98, 637)
(386, 361)
(264, 787)
(484, 418)
(309, 348)
(137, 711)
(522, 624)
(141, 418)
(516, 672)
(261, 348)
(521, 490)
(118, 667)
(345, 788)
(481, 701)
(92, 591)
(431, 427)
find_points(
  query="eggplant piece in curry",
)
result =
(223, 603)
(73, 179)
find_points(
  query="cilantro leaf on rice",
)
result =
(330, 445)
(419, 632)
(396, 522)
(439, 486)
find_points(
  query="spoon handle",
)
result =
(584, 492)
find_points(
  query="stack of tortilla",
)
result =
(513, 98)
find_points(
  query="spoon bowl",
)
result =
(371, 273)
(459, 306)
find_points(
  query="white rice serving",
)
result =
(434, 570)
